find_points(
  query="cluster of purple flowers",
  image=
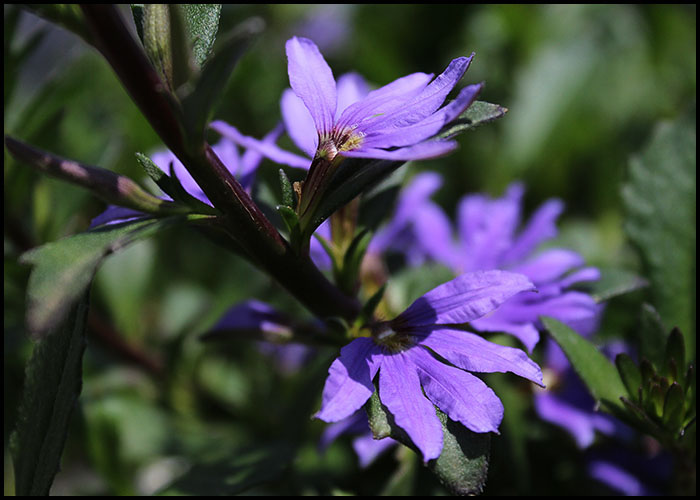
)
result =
(425, 357)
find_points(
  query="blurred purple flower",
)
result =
(366, 447)
(242, 167)
(328, 25)
(258, 319)
(394, 122)
(400, 350)
(488, 239)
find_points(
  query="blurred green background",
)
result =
(584, 85)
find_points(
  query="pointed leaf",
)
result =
(653, 336)
(629, 372)
(660, 200)
(202, 21)
(674, 362)
(673, 408)
(596, 371)
(63, 269)
(614, 282)
(51, 389)
(478, 113)
(287, 190)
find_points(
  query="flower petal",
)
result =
(312, 80)
(476, 354)
(486, 227)
(578, 423)
(461, 395)
(349, 383)
(397, 136)
(400, 391)
(368, 449)
(267, 149)
(422, 151)
(499, 321)
(549, 265)
(541, 227)
(251, 158)
(115, 214)
(425, 103)
(463, 299)
(434, 233)
(351, 89)
(299, 123)
(383, 100)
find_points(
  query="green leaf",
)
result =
(199, 105)
(347, 280)
(479, 113)
(673, 408)
(597, 372)
(243, 470)
(287, 190)
(660, 201)
(462, 466)
(674, 362)
(64, 269)
(202, 21)
(652, 336)
(51, 389)
(629, 372)
(614, 282)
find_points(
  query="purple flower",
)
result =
(366, 447)
(401, 351)
(488, 238)
(243, 168)
(394, 122)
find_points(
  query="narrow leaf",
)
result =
(660, 200)
(674, 362)
(478, 113)
(51, 388)
(596, 371)
(673, 408)
(614, 282)
(287, 190)
(64, 269)
(202, 21)
(653, 336)
(629, 372)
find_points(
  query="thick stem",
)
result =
(243, 220)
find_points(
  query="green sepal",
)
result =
(629, 373)
(287, 190)
(674, 360)
(673, 411)
(478, 113)
(462, 466)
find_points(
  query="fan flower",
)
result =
(401, 351)
(394, 122)
(488, 239)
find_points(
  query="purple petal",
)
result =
(368, 448)
(398, 136)
(461, 395)
(617, 478)
(584, 274)
(470, 352)
(299, 123)
(312, 80)
(412, 198)
(271, 151)
(252, 315)
(463, 299)
(114, 215)
(541, 227)
(163, 159)
(549, 265)
(434, 232)
(400, 391)
(354, 424)
(384, 100)
(578, 423)
(351, 89)
(252, 158)
(425, 103)
(499, 321)
(486, 228)
(316, 251)
(349, 383)
(422, 151)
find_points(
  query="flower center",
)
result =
(339, 140)
(391, 340)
